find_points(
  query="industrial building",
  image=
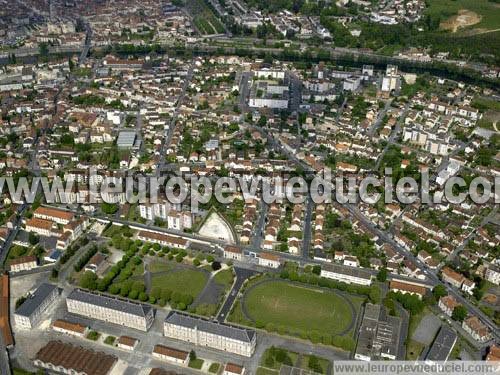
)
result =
(379, 335)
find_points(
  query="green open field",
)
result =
(224, 277)
(489, 11)
(298, 307)
(204, 18)
(413, 350)
(185, 281)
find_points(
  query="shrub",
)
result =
(93, 335)
(110, 340)
(133, 294)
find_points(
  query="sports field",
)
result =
(185, 281)
(299, 308)
(487, 13)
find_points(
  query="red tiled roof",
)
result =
(69, 326)
(76, 358)
(48, 211)
(235, 369)
(170, 352)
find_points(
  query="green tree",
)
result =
(88, 280)
(439, 291)
(382, 275)
(43, 48)
(459, 313)
(109, 208)
(314, 364)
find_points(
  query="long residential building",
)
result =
(211, 334)
(53, 214)
(110, 309)
(349, 275)
(163, 239)
(29, 313)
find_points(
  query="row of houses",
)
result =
(265, 259)
(163, 239)
(47, 222)
(457, 280)
(471, 324)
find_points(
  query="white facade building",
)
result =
(110, 309)
(211, 334)
(347, 275)
(28, 315)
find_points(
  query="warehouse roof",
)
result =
(76, 358)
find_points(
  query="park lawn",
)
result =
(277, 365)
(18, 371)
(487, 10)
(484, 104)
(185, 281)
(196, 363)
(485, 124)
(111, 231)
(224, 277)
(266, 371)
(415, 321)
(160, 267)
(413, 350)
(237, 316)
(324, 363)
(17, 251)
(139, 270)
(214, 368)
(299, 308)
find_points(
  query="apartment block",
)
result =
(211, 334)
(29, 313)
(345, 274)
(110, 309)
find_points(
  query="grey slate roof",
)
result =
(379, 333)
(126, 139)
(184, 320)
(443, 345)
(113, 303)
(31, 304)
